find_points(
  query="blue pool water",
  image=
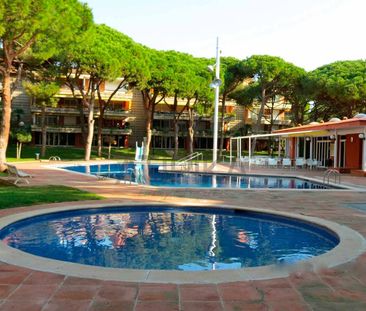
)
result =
(163, 237)
(150, 175)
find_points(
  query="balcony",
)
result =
(204, 133)
(266, 120)
(56, 110)
(75, 111)
(120, 95)
(184, 116)
(113, 113)
(57, 129)
(77, 129)
(162, 132)
(115, 131)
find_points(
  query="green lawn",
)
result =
(11, 196)
(28, 153)
(72, 153)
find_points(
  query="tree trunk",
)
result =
(149, 121)
(5, 119)
(190, 131)
(271, 123)
(82, 122)
(20, 150)
(109, 147)
(100, 129)
(89, 138)
(222, 125)
(149, 102)
(295, 113)
(257, 126)
(44, 131)
(176, 138)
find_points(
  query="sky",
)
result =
(308, 33)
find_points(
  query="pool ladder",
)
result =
(187, 160)
(329, 173)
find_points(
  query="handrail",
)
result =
(54, 158)
(189, 157)
(331, 172)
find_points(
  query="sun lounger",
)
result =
(244, 160)
(311, 163)
(272, 162)
(18, 175)
(286, 162)
(299, 162)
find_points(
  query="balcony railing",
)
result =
(184, 116)
(58, 129)
(77, 129)
(115, 131)
(121, 94)
(266, 120)
(183, 133)
(75, 111)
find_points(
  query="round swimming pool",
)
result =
(169, 238)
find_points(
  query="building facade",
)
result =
(340, 144)
(124, 121)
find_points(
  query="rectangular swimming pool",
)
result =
(149, 174)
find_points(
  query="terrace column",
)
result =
(364, 153)
(239, 148)
(292, 148)
(311, 149)
(335, 161)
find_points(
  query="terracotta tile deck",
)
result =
(340, 288)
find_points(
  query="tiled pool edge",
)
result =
(335, 187)
(352, 244)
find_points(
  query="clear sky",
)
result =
(308, 33)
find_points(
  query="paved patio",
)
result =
(340, 288)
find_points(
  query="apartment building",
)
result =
(65, 118)
(276, 116)
(163, 125)
(124, 121)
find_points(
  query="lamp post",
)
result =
(216, 85)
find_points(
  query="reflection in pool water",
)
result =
(162, 238)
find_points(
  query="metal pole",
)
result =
(216, 111)
(239, 148)
(231, 148)
(311, 149)
(335, 151)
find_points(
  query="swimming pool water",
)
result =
(150, 175)
(188, 239)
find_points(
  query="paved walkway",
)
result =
(340, 288)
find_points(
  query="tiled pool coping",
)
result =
(351, 245)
